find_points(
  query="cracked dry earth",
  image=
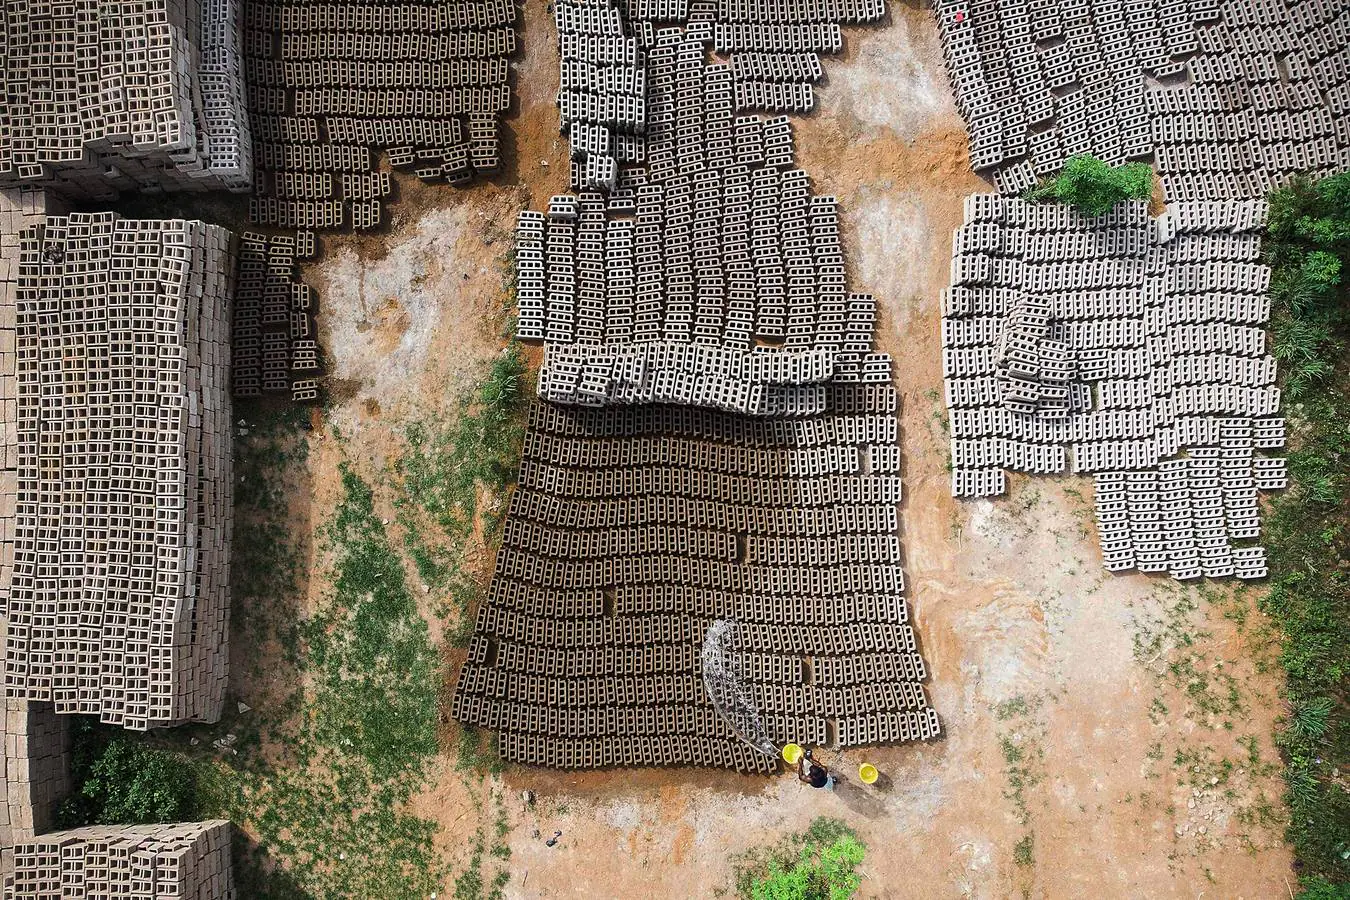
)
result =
(1105, 736)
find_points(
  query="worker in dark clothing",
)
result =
(813, 773)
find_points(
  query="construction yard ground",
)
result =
(1105, 736)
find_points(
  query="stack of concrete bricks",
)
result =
(695, 265)
(1163, 370)
(118, 597)
(716, 438)
(1228, 96)
(427, 83)
(190, 860)
(274, 337)
(19, 209)
(633, 529)
(37, 772)
(140, 95)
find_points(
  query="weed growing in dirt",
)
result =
(451, 484)
(819, 863)
(444, 469)
(1023, 766)
(470, 884)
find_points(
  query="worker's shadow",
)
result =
(860, 799)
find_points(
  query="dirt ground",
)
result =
(1105, 736)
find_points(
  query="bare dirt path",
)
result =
(1106, 736)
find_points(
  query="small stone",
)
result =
(544, 163)
(1214, 780)
(244, 707)
(195, 741)
(527, 797)
(1190, 804)
(1203, 829)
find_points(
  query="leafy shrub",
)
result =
(124, 780)
(1088, 184)
(817, 864)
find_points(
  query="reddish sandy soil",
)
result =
(1092, 713)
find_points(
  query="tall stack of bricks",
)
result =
(37, 772)
(20, 208)
(118, 598)
(189, 860)
(142, 95)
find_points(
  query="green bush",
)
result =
(819, 863)
(1088, 184)
(124, 780)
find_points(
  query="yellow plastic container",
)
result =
(791, 754)
(867, 773)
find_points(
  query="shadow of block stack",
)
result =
(117, 602)
(189, 860)
(139, 95)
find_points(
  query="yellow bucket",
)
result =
(867, 773)
(791, 753)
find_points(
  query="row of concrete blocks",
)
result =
(691, 386)
(553, 631)
(1245, 563)
(566, 514)
(663, 539)
(411, 101)
(382, 18)
(835, 640)
(587, 722)
(1101, 425)
(653, 599)
(547, 572)
(273, 309)
(635, 752)
(368, 74)
(407, 45)
(977, 454)
(603, 453)
(862, 414)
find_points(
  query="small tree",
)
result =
(1088, 184)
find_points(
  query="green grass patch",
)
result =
(1307, 533)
